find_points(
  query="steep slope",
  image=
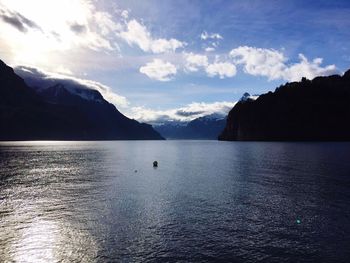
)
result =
(23, 115)
(317, 110)
(55, 113)
(104, 120)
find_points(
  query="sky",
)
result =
(177, 60)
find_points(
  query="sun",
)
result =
(50, 29)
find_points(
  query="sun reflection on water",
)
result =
(44, 241)
(37, 243)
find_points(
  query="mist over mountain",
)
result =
(62, 111)
(207, 127)
(309, 110)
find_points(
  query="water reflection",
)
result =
(83, 202)
(36, 242)
(46, 200)
(49, 241)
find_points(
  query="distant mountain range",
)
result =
(59, 112)
(207, 128)
(310, 110)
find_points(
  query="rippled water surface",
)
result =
(207, 201)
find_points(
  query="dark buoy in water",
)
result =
(155, 164)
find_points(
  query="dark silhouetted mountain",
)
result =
(58, 113)
(310, 110)
(207, 127)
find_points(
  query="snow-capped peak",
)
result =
(246, 96)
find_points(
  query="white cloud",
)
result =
(106, 91)
(195, 61)
(106, 24)
(125, 14)
(273, 64)
(259, 61)
(37, 77)
(159, 70)
(308, 69)
(137, 34)
(63, 70)
(209, 49)
(205, 36)
(221, 69)
(212, 40)
(187, 113)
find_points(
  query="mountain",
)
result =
(309, 110)
(207, 127)
(246, 96)
(58, 112)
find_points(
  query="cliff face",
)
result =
(55, 113)
(317, 110)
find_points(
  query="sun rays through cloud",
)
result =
(146, 48)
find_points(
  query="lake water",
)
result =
(207, 201)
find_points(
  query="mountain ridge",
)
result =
(206, 127)
(309, 110)
(55, 113)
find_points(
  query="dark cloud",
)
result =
(77, 28)
(56, 35)
(188, 113)
(13, 21)
(17, 20)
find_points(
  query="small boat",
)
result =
(155, 164)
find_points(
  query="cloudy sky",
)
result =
(177, 59)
